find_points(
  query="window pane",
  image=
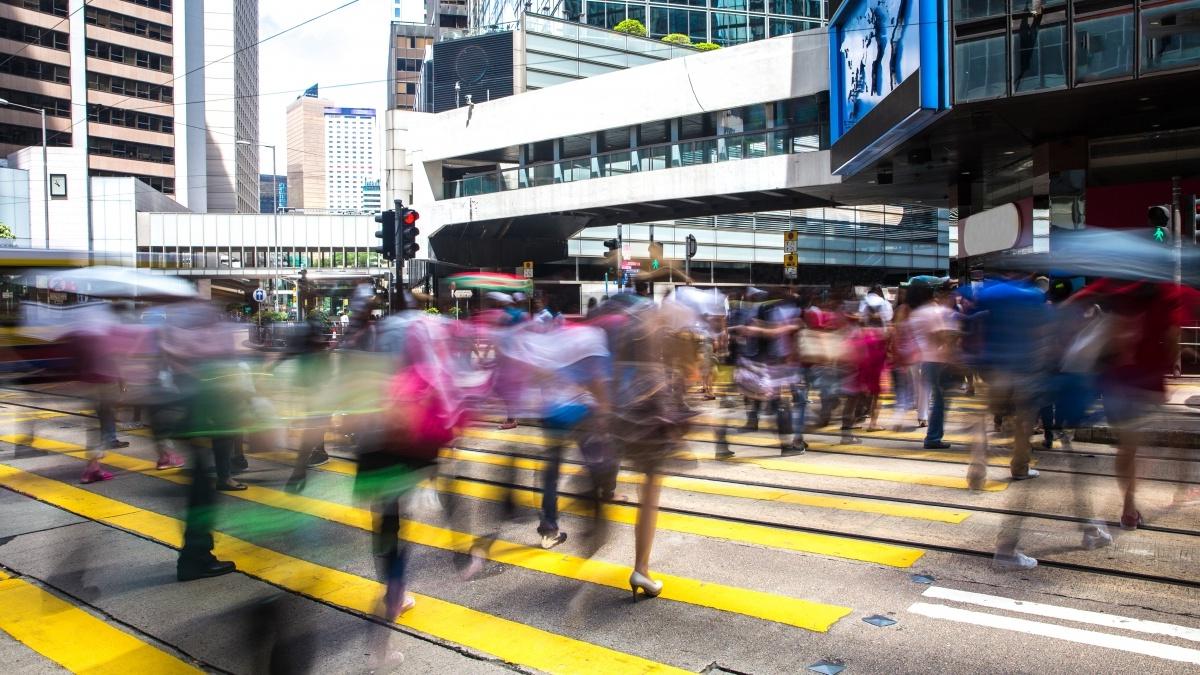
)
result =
(1039, 56)
(1103, 48)
(975, 9)
(1169, 36)
(786, 26)
(980, 70)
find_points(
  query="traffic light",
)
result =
(1191, 218)
(656, 255)
(387, 233)
(408, 233)
(1159, 217)
(691, 246)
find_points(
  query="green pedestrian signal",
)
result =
(1160, 234)
(1159, 218)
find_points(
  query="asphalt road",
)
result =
(771, 565)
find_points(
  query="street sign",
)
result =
(789, 272)
(260, 295)
(789, 259)
(789, 241)
(528, 269)
(463, 294)
(631, 264)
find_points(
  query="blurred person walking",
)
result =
(934, 331)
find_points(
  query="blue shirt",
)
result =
(1014, 317)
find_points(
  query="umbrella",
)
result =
(126, 282)
(491, 281)
(1117, 254)
(928, 280)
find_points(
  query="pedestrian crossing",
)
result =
(75, 639)
(1058, 631)
(510, 641)
(800, 613)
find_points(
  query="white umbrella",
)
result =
(126, 282)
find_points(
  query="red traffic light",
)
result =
(411, 217)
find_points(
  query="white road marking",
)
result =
(1065, 613)
(1087, 637)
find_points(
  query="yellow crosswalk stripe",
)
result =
(716, 487)
(794, 466)
(510, 641)
(781, 609)
(75, 639)
(772, 537)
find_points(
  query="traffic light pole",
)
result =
(1177, 230)
(398, 297)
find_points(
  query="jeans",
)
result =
(548, 524)
(932, 375)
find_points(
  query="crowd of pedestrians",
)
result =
(624, 384)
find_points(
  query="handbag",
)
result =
(421, 423)
(1090, 346)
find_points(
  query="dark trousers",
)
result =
(202, 501)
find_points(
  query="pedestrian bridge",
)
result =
(734, 130)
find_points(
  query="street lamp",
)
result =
(45, 163)
(275, 218)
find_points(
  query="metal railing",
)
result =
(732, 147)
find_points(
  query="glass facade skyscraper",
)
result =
(723, 22)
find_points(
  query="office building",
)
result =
(306, 151)
(109, 76)
(371, 196)
(406, 53)
(349, 156)
(722, 22)
(268, 183)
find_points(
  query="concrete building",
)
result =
(406, 53)
(109, 74)
(307, 184)
(734, 161)
(268, 184)
(349, 156)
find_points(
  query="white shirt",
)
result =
(928, 323)
(873, 301)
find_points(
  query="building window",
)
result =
(735, 29)
(664, 21)
(130, 119)
(978, 9)
(1170, 37)
(980, 69)
(16, 135)
(161, 5)
(806, 8)
(132, 88)
(1103, 48)
(787, 26)
(55, 7)
(129, 56)
(123, 149)
(54, 107)
(127, 24)
(739, 5)
(34, 35)
(38, 70)
(163, 185)
(1039, 55)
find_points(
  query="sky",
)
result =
(346, 47)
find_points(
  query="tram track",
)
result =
(887, 499)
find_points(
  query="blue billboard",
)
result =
(878, 48)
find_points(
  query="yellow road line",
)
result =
(716, 487)
(74, 639)
(794, 466)
(508, 640)
(781, 609)
(762, 535)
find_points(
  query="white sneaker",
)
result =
(1013, 562)
(1096, 536)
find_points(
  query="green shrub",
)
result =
(6, 232)
(706, 46)
(678, 39)
(631, 27)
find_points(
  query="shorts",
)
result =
(1128, 407)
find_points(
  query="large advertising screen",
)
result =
(879, 46)
(888, 63)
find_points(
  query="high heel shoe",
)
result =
(648, 586)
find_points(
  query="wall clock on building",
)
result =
(58, 185)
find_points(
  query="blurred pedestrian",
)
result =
(934, 332)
